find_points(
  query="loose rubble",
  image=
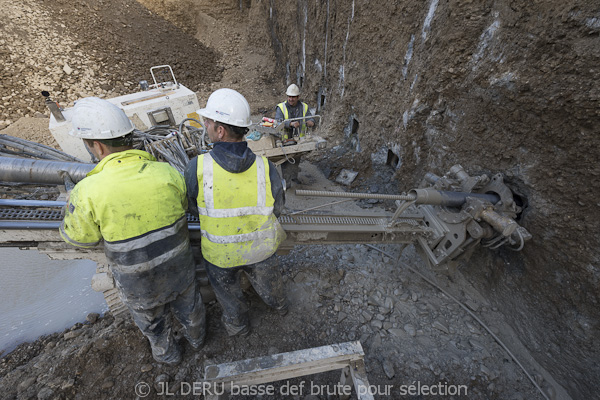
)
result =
(410, 332)
(78, 54)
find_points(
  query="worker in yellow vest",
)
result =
(137, 206)
(293, 108)
(237, 197)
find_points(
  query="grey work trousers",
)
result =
(156, 324)
(265, 278)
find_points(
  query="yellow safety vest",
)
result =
(284, 110)
(236, 214)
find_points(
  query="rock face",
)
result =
(502, 86)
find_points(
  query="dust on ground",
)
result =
(34, 129)
(246, 60)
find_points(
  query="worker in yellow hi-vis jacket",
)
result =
(137, 206)
(294, 108)
(238, 197)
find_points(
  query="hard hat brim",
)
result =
(210, 114)
(74, 133)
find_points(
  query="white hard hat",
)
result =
(229, 107)
(293, 90)
(94, 118)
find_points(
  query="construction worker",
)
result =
(137, 206)
(238, 197)
(290, 109)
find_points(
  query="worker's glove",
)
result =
(254, 135)
(69, 184)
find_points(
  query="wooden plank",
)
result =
(283, 373)
(29, 235)
(361, 383)
(285, 365)
(289, 150)
(344, 378)
(210, 396)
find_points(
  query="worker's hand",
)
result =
(295, 124)
(69, 184)
(310, 124)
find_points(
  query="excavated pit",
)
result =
(405, 88)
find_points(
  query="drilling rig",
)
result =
(445, 218)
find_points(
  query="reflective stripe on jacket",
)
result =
(236, 214)
(137, 205)
(286, 115)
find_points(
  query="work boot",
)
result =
(232, 330)
(196, 344)
(283, 310)
(175, 362)
(173, 357)
(245, 331)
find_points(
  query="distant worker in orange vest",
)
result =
(290, 109)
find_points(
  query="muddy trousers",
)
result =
(265, 278)
(156, 324)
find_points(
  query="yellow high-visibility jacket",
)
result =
(137, 205)
(236, 213)
(284, 111)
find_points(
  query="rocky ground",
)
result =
(513, 98)
(410, 331)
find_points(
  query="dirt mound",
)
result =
(239, 33)
(34, 129)
(81, 48)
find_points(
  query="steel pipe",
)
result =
(501, 223)
(447, 198)
(50, 225)
(420, 196)
(431, 178)
(41, 171)
(31, 203)
(41, 225)
(43, 150)
(319, 193)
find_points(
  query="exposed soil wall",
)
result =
(501, 86)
